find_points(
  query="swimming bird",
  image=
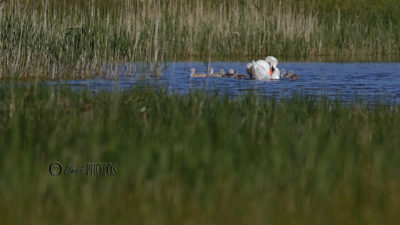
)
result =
(212, 74)
(222, 72)
(291, 75)
(266, 69)
(283, 73)
(230, 73)
(193, 74)
(240, 76)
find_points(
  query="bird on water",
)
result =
(194, 74)
(264, 69)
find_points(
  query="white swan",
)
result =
(264, 69)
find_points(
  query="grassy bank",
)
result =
(195, 159)
(71, 38)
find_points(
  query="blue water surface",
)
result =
(346, 82)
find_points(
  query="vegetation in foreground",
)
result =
(196, 159)
(72, 39)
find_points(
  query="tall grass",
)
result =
(72, 38)
(196, 159)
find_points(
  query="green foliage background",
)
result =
(198, 159)
(72, 39)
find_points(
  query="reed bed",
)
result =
(196, 159)
(72, 39)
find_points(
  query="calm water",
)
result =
(372, 82)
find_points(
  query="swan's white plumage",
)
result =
(274, 63)
(261, 69)
(272, 60)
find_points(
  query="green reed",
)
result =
(198, 159)
(71, 39)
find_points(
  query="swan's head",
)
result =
(192, 70)
(272, 61)
(271, 69)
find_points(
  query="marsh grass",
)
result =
(196, 159)
(72, 39)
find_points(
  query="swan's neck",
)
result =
(276, 74)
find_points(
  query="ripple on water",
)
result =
(367, 81)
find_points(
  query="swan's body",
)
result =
(265, 69)
(193, 74)
(262, 70)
